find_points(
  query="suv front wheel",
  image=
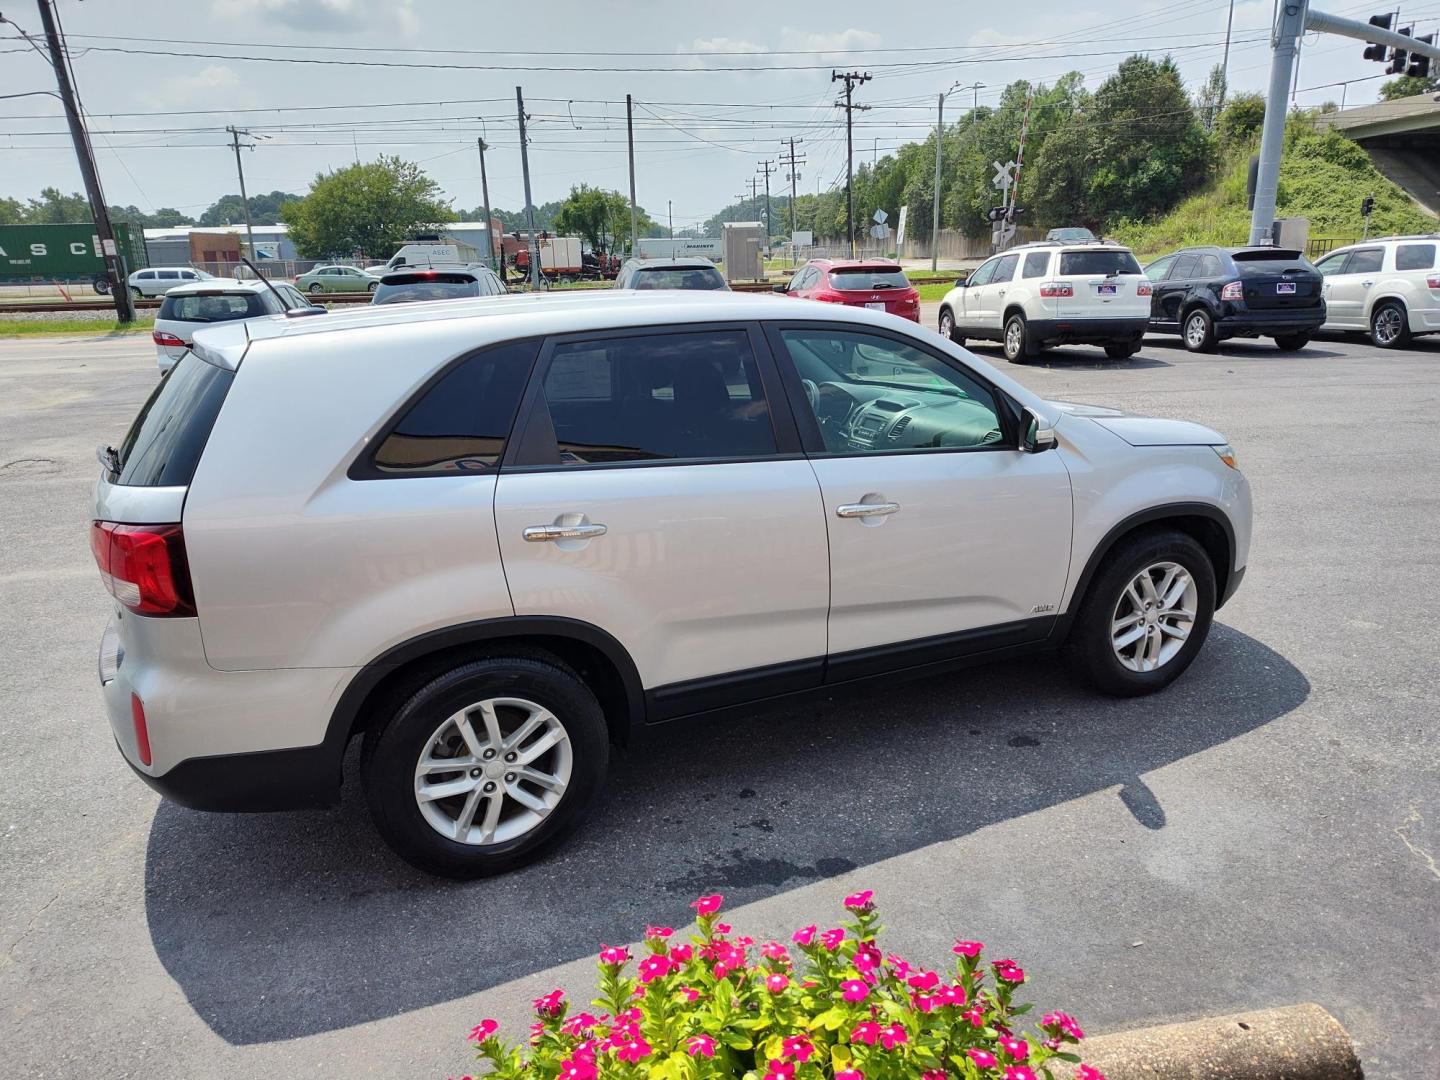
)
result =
(1145, 615)
(487, 766)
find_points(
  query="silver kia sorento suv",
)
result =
(491, 538)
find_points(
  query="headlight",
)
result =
(1226, 453)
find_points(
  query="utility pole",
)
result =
(529, 205)
(1225, 65)
(851, 79)
(85, 155)
(767, 166)
(485, 195)
(670, 217)
(791, 162)
(630, 140)
(235, 134)
(939, 143)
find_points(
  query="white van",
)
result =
(422, 255)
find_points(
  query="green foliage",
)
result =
(164, 218)
(1241, 120)
(371, 208)
(12, 212)
(264, 209)
(54, 207)
(600, 217)
(1408, 86)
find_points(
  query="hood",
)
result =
(1144, 430)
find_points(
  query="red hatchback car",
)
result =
(867, 283)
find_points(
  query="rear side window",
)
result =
(862, 279)
(213, 307)
(1414, 256)
(1036, 264)
(164, 443)
(460, 423)
(1210, 266)
(1098, 262)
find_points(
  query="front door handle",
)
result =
(539, 534)
(855, 510)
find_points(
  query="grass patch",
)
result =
(46, 327)
(931, 293)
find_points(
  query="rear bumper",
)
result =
(307, 778)
(1253, 323)
(1232, 586)
(1088, 331)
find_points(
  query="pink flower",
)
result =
(854, 990)
(719, 971)
(654, 966)
(776, 982)
(1019, 1072)
(1062, 1024)
(969, 949)
(860, 901)
(659, 931)
(831, 938)
(681, 954)
(614, 954)
(797, 1047)
(551, 1004)
(780, 1070)
(484, 1030)
(577, 1068)
(926, 980)
(690, 993)
(976, 1016)
(1009, 971)
(804, 936)
(900, 967)
(933, 1074)
(1018, 1049)
(923, 1002)
(1088, 1072)
(722, 927)
(849, 1074)
(634, 1050)
(893, 1036)
(537, 1031)
(773, 950)
(708, 905)
(866, 1033)
(700, 1046)
(983, 1058)
(579, 1024)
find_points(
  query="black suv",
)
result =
(1207, 294)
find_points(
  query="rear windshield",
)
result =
(1270, 261)
(1098, 262)
(402, 288)
(863, 278)
(699, 277)
(213, 307)
(164, 443)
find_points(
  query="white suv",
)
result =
(1389, 288)
(1050, 293)
(491, 537)
(192, 307)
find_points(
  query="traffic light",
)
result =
(1420, 63)
(1400, 58)
(1367, 206)
(1372, 50)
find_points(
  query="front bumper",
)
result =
(1087, 331)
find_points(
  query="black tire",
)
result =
(373, 286)
(947, 327)
(1390, 325)
(1122, 350)
(1090, 649)
(136, 293)
(393, 748)
(1198, 331)
(315, 288)
(102, 285)
(1291, 342)
(1018, 344)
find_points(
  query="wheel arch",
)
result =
(1386, 297)
(1015, 307)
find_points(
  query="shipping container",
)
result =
(65, 253)
(681, 247)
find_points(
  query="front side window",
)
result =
(1366, 261)
(1333, 263)
(1005, 269)
(1185, 267)
(658, 397)
(1037, 263)
(170, 275)
(1415, 257)
(459, 424)
(983, 274)
(797, 280)
(876, 394)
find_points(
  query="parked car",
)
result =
(1389, 288)
(877, 284)
(158, 280)
(337, 279)
(1076, 235)
(683, 273)
(491, 537)
(1048, 293)
(441, 283)
(194, 306)
(1209, 294)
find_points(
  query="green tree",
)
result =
(264, 209)
(600, 217)
(1208, 101)
(1241, 119)
(164, 218)
(12, 212)
(1410, 85)
(53, 207)
(372, 208)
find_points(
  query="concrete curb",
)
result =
(1299, 1042)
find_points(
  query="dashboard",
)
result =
(862, 417)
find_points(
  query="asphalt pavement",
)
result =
(1264, 832)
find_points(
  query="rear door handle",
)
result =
(855, 510)
(1367, 284)
(539, 534)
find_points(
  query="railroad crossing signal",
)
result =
(1003, 178)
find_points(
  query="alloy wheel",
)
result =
(947, 325)
(1014, 337)
(493, 771)
(1154, 616)
(1388, 325)
(1195, 331)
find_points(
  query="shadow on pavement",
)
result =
(281, 926)
(1071, 356)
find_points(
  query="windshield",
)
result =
(1108, 263)
(403, 288)
(700, 277)
(865, 278)
(212, 307)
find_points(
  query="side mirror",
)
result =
(780, 288)
(960, 282)
(1036, 434)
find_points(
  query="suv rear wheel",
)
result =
(487, 766)
(1291, 342)
(1199, 331)
(1018, 345)
(1389, 325)
(1145, 615)
(1122, 350)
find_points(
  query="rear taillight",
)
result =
(142, 729)
(1143, 289)
(144, 567)
(1233, 291)
(829, 297)
(1056, 289)
(1433, 282)
(160, 337)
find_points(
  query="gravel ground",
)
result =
(106, 316)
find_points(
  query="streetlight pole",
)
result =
(485, 195)
(939, 144)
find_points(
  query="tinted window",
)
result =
(213, 307)
(698, 277)
(1365, 261)
(164, 443)
(1210, 267)
(459, 425)
(1270, 263)
(658, 397)
(1036, 264)
(1005, 268)
(425, 285)
(1414, 256)
(861, 279)
(1156, 270)
(982, 275)
(1098, 262)
(881, 394)
(1185, 267)
(170, 275)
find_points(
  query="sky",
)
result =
(717, 86)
